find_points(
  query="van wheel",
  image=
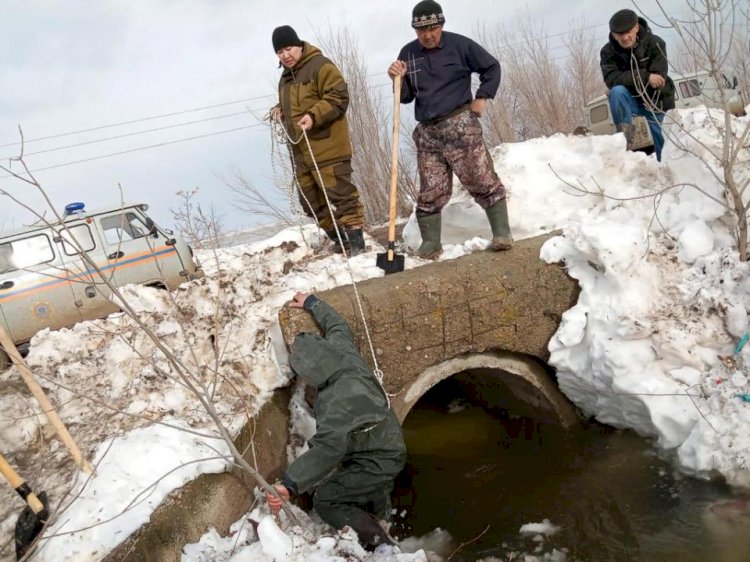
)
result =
(4, 360)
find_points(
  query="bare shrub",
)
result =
(499, 113)
(260, 202)
(583, 75)
(538, 95)
(370, 126)
(201, 229)
(708, 35)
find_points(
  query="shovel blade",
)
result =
(29, 525)
(393, 265)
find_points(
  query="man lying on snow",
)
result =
(358, 448)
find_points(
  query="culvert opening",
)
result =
(483, 463)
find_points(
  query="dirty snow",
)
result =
(649, 346)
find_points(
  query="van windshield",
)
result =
(124, 227)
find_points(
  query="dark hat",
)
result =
(427, 13)
(283, 37)
(623, 21)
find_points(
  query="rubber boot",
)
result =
(498, 217)
(335, 239)
(430, 225)
(371, 535)
(628, 129)
(356, 241)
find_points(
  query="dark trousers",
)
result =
(337, 183)
(357, 499)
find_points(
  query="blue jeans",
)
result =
(623, 106)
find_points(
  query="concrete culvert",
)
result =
(497, 380)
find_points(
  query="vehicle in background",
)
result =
(51, 274)
(691, 90)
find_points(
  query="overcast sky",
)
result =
(73, 65)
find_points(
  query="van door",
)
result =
(91, 294)
(35, 289)
(132, 252)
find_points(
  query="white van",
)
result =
(46, 283)
(691, 90)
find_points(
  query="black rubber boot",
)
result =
(498, 217)
(335, 239)
(371, 535)
(356, 241)
(430, 225)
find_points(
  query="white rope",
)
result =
(376, 371)
(278, 129)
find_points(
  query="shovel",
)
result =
(391, 262)
(34, 516)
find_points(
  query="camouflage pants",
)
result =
(454, 145)
(337, 182)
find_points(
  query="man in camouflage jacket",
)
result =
(313, 97)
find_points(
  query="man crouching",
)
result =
(358, 448)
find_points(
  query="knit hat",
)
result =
(427, 13)
(623, 21)
(283, 37)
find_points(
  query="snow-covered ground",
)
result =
(649, 346)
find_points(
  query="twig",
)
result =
(463, 544)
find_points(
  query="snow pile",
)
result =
(663, 296)
(115, 501)
(261, 537)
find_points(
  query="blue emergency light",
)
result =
(72, 208)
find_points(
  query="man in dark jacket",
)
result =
(358, 448)
(436, 69)
(634, 66)
(313, 97)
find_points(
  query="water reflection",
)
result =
(608, 492)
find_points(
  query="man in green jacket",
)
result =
(358, 448)
(313, 97)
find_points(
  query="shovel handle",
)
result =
(47, 407)
(394, 157)
(20, 486)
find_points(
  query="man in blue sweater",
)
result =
(436, 70)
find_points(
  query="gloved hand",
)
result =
(274, 503)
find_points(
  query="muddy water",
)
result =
(610, 495)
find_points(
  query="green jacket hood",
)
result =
(308, 52)
(315, 359)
